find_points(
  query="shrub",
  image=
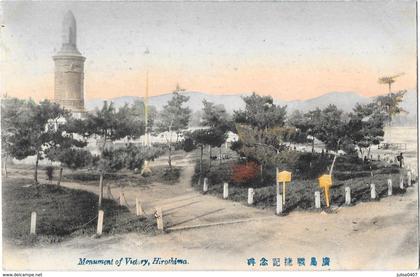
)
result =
(246, 172)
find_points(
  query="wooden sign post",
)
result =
(325, 182)
(283, 177)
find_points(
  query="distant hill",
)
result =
(344, 100)
(231, 102)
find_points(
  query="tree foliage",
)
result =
(174, 118)
(391, 104)
(34, 129)
(366, 125)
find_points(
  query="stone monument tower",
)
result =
(69, 70)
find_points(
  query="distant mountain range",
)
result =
(344, 100)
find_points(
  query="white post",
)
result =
(225, 190)
(389, 187)
(372, 191)
(33, 223)
(348, 195)
(205, 185)
(121, 199)
(401, 181)
(100, 222)
(279, 206)
(250, 196)
(139, 210)
(159, 218)
(317, 200)
(409, 178)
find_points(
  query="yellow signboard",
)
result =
(284, 176)
(325, 181)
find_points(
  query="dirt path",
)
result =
(371, 235)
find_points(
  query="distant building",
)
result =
(69, 70)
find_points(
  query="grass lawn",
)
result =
(61, 213)
(300, 192)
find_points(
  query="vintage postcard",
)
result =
(213, 135)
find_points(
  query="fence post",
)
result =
(372, 191)
(205, 185)
(121, 198)
(279, 205)
(250, 196)
(389, 187)
(317, 200)
(139, 210)
(401, 181)
(409, 178)
(159, 218)
(100, 222)
(225, 190)
(348, 195)
(33, 223)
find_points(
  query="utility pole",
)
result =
(146, 169)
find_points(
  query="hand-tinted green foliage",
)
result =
(215, 117)
(390, 104)
(201, 137)
(366, 125)
(260, 112)
(75, 158)
(110, 124)
(36, 129)
(174, 117)
(261, 129)
(130, 156)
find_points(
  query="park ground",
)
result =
(212, 233)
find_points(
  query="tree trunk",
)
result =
(170, 147)
(101, 189)
(201, 165)
(313, 145)
(5, 166)
(170, 157)
(36, 169)
(333, 163)
(220, 155)
(60, 175)
(335, 157)
(209, 157)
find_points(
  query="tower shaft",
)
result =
(69, 69)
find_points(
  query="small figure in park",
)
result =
(400, 159)
(365, 159)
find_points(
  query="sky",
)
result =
(289, 50)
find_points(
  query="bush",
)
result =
(171, 175)
(217, 174)
(244, 172)
(74, 158)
